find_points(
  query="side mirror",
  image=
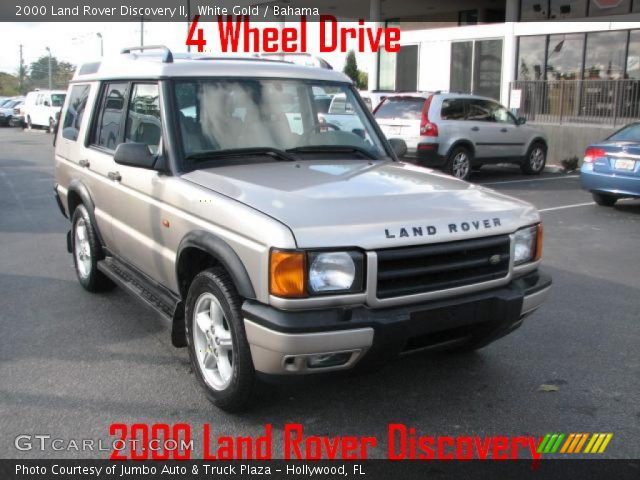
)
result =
(134, 155)
(399, 146)
(521, 120)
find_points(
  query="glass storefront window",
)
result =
(564, 56)
(487, 68)
(604, 57)
(531, 57)
(461, 63)
(633, 59)
(596, 10)
(560, 9)
(532, 10)
(387, 75)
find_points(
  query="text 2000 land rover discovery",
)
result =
(272, 241)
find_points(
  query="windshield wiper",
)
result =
(334, 149)
(274, 153)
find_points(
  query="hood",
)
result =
(367, 204)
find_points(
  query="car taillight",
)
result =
(592, 153)
(427, 128)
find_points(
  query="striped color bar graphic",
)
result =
(574, 443)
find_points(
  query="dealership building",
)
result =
(568, 63)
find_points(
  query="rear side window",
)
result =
(57, 99)
(143, 117)
(452, 109)
(110, 119)
(409, 108)
(75, 112)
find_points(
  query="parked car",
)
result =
(42, 108)
(17, 119)
(458, 133)
(274, 251)
(7, 110)
(611, 168)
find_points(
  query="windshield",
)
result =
(409, 108)
(220, 115)
(57, 99)
(630, 133)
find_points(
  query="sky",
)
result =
(77, 42)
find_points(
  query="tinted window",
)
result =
(461, 66)
(409, 108)
(143, 118)
(110, 119)
(57, 99)
(633, 59)
(487, 68)
(630, 133)
(531, 10)
(452, 109)
(75, 111)
(568, 9)
(487, 111)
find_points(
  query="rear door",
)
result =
(400, 117)
(493, 130)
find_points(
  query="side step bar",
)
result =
(151, 295)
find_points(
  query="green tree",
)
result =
(351, 66)
(9, 85)
(363, 80)
(38, 76)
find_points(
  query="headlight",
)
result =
(331, 271)
(528, 245)
(295, 274)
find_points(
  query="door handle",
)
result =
(84, 163)
(504, 130)
(115, 176)
(475, 129)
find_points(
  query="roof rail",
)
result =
(167, 56)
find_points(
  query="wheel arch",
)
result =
(200, 250)
(538, 139)
(462, 143)
(78, 194)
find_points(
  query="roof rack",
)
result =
(167, 56)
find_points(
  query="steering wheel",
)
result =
(318, 126)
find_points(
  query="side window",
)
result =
(143, 117)
(480, 111)
(107, 132)
(452, 109)
(75, 111)
(39, 99)
(502, 115)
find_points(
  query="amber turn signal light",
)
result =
(539, 241)
(287, 273)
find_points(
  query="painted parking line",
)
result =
(562, 207)
(564, 177)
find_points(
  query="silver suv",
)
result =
(459, 133)
(271, 242)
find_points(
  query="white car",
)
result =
(42, 107)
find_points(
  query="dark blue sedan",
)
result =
(611, 168)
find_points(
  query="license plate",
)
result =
(624, 165)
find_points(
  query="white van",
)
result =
(42, 107)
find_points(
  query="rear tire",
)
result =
(217, 342)
(87, 252)
(604, 200)
(459, 163)
(535, 160)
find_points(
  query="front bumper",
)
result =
(283, 342)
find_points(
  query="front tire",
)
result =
(87, 252)
(52, 126)
(459, 163)
(604, 200)
(28, 123)
(535, 160)
(217, 341)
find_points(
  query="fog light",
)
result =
(328, 360)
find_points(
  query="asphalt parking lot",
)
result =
(72, 363)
